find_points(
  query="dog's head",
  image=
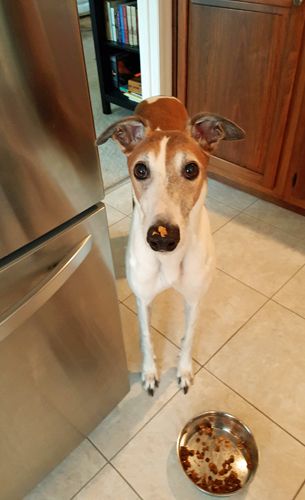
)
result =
(167, 155)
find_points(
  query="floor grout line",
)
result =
(272, 225)
(228, 204)
(243, 211)
(97, 449)
(123, 301)
(298, 491)
(120, 211)
(243, 283)
(255, 407)
(158, 331)
(287, 308)
(119, 220)
(86, 484)
(226, 223)
(216, 352)
(124, 478)
(236, 332)
(117, 185)
(291, 277)
(144, 425)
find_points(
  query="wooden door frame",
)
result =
(180, 9)
(155, 37)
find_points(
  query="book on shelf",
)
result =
(121, 19)
(134, 85)
(133, 97)
(125, 70)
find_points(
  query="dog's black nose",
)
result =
(163, 237)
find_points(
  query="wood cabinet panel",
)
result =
(244, 59)
(238, 65)
(291, 178)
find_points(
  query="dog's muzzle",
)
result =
(163, 237)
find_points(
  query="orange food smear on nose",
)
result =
(162, 231)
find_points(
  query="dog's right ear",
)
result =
(127, 132)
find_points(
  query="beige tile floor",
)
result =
(249, 358)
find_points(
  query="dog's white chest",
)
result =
(170, 271)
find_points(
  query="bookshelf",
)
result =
(117, 62)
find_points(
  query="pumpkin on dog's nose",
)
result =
(163, 237)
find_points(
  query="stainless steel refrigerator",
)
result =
(62, 361)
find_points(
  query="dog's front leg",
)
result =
(185, 369)
(149, 369)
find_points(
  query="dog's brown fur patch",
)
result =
(186, 192)
(164, 113)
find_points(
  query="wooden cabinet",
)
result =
(292, 165)
(240, 59)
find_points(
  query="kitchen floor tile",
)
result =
(292, 295)
(264, 362)
(225, 308)
(229, 195)
(258, 254)
(137, 407)
(219, 214)
(121, 198)
(119, 238)
(149, 462)
(113, 215)
(107, 485)
(286, 220)
(70, 475)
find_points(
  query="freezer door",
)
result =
(62, 361)
(49, 168)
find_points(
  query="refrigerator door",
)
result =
(62, 361)
(49, 168)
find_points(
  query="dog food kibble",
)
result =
(203, 471)
(213, 468)
(185, 453)
(193, 476)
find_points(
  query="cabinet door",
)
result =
(240, 62)
(291, 177)
(295, 182)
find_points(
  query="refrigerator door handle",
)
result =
(41, 293)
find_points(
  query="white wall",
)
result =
(155, 38)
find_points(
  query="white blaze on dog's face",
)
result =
(167, 170)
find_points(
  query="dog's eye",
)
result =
(141, 171)
(190, 171)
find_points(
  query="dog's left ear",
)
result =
(210, 129)
(127, 132)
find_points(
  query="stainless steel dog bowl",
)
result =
(218, 453)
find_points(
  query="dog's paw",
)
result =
(185, 379)
(150, 381)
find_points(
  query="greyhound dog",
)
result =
(170, 243)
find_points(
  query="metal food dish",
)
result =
(218, 453)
